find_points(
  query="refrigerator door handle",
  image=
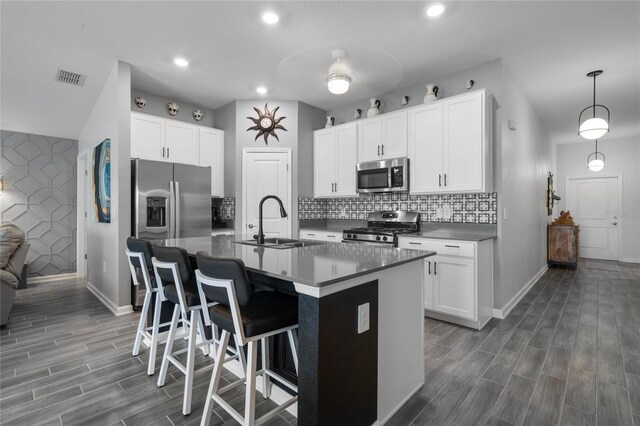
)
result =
(172, 210)
(177, 208)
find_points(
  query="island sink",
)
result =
(280, 243)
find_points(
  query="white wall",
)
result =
(108, 272)
(622, 157)
(523, 163)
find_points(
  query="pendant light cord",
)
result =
(594, 96)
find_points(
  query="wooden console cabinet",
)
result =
(562, 245)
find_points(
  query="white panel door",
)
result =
(425, 148)
(266, 172)
(369, 139)
(147, 137)
(181, 142)
(324, 163)
(463, 144)
(211, 143)
(595, 205)
(346, 156)
(454, 286)
(394, 135)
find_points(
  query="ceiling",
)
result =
(549, 47)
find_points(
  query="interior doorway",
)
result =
(266, 172)
(83, 197)
(595, 204)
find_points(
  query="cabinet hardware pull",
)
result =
(378, 149)
(447, 245)
(445, 179)
(435, 268)
(167, 152)
(163, 152)
(331, 236)
(429, 267)
(415, 244)
(336, 186)
(311, 235)
(382, 149)
(439, 180)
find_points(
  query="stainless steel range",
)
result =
(383, 228)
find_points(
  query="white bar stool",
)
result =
(251, 317)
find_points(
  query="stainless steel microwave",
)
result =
(390, 175)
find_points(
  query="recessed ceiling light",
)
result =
(181, 62)
(261, 90)
(435, 10)
(270, 18)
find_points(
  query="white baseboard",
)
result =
(502, 313)
(395, 410)
(117, 310)
(51, 278)
(630, 260)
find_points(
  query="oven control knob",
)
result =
(384, 238)
(378, 238)
(355, 236)
(348, 235)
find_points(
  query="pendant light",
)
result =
(593, 126)
(595, 161)
(339, 76)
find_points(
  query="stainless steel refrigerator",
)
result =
(170, 200)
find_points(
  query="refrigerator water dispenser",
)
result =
(156, 212)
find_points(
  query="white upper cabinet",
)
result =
(212, 155)
(382, 137)
(147, 137)
(334, 161)
(450, 145)
(161, 139)
(181, 141)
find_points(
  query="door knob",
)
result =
(250, 226)
(614, 223)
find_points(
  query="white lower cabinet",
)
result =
(458, 280)
(308, 234)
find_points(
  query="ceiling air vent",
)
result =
(70, 77)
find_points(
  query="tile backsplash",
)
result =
(455, 208)
(227, 206)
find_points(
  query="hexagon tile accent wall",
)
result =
(40, 174)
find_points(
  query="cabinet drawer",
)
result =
(445, 247)
(320, 235)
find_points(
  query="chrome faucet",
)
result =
(283, 213)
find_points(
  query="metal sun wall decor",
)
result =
(266, 123)
(101, 168)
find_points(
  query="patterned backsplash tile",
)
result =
(456, 208)
(227, 207)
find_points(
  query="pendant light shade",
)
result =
(593, 122)
(339, 74)
(595, 161)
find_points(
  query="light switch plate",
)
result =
(363, 318)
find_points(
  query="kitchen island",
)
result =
(355, 370)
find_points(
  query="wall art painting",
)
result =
(102, 181)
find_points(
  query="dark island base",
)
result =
(338, 378)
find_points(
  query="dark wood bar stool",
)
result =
(251, 317)
(139, 252)
(176, 283)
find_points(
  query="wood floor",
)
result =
(569, 353)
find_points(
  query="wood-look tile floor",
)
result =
(568, 353)
(65, 359)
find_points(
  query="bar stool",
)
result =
(139, 253)
(176, 283)
(251, 317)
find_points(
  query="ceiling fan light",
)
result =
(593, 128)
(338, 84)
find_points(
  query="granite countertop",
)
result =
(456, 231)
(316, 266)
(444, 231)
